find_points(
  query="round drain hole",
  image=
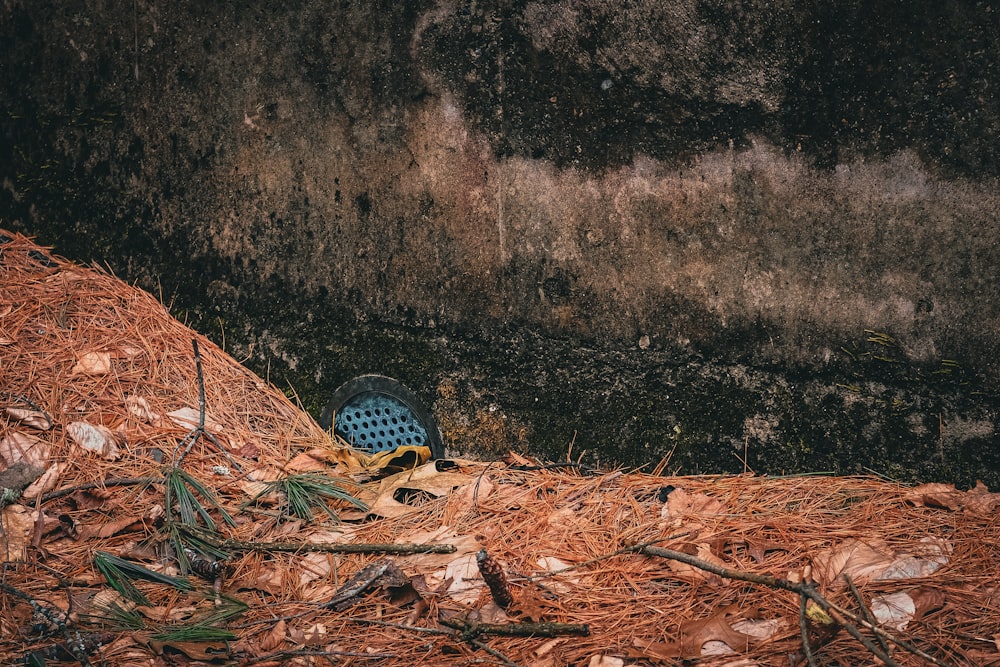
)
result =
(375, 413)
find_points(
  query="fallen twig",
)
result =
(314, 653)
(865, 612)
(545, 629)
(192, 437)
(358, 548)
(492, 651)
(114, 481)
(803, 589)
(77, 645)
(804, 631)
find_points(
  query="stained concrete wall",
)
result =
(747, 187)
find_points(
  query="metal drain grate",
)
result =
(374, 422)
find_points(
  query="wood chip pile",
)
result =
(144, 524)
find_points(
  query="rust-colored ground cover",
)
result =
(102, 418)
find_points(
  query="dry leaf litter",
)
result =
(101, 400)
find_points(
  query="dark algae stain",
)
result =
(612, 406)
(265, 170)
(555, 81)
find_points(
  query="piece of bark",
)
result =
(15, 479)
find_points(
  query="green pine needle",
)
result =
(120, 573)
(308, 491)
(227, 608)
(198, 539)
(179, 492)
(194, 633)
(114, 617)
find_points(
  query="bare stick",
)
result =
(114, 481)
(492, 651)
(865, 612)
(192, 437)
(802, 589)
(804, 631)
(549, 629)
(308, 653)
(77, 645)
(356, 548)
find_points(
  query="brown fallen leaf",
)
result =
(896, 610)
(696, 634)
(18, 523)
(858, 559)
(397, 494)
(682, 504)
(109, 528)
(16, 446)
(206, 651)
(314, 566)
(95, 438)
(311, 461)
(92, 363)
(977, 500)
(191, 418)
(531, 605)
(547, 647)
(45, 483)
(922, 559)
(315, 635)
(605, 661)
(703, 552)
(139, 408)
(270, 580)
(32, 418)
(873, 559)
(275, 638)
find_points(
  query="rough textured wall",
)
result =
(742, 187)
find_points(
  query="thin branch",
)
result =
(318, 654)
(77, 645)
(802, 589)
(194, 434)
(358, 548)
(867, 643)
(492, 651)
(201, 384)
(804, 631)
(469, 632)
(547, 629)
(865, 612)
(114, 481)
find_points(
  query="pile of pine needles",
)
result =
(163, 505)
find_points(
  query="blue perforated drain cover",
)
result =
(374, 422)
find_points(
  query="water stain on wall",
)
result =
(697, 227)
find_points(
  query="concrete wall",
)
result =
(728, 183)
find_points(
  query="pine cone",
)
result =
(495, 578)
